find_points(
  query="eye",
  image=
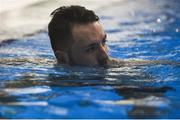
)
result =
(91, 49)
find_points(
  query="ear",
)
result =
(62, 57)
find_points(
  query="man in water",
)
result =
(78, 38)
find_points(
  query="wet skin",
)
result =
(89, 45)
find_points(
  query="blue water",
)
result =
(33, 86)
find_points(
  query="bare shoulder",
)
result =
(135, 62)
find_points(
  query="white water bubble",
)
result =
(158, 20)
(177, 30)
(28, 90)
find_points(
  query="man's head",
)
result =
(77, 37)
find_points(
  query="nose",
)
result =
(102, 55)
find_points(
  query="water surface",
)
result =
(33, 86)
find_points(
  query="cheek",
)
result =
(89, 59)
(74, 54)
(92, 58)
(80, 57)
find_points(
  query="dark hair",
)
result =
(60, 26)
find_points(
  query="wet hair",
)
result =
(62, 22)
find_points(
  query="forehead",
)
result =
(88, 33)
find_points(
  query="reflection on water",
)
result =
(33, 86)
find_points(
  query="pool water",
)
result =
(33, 86)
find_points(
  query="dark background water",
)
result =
(33, 86)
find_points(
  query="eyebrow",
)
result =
(96, 43)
